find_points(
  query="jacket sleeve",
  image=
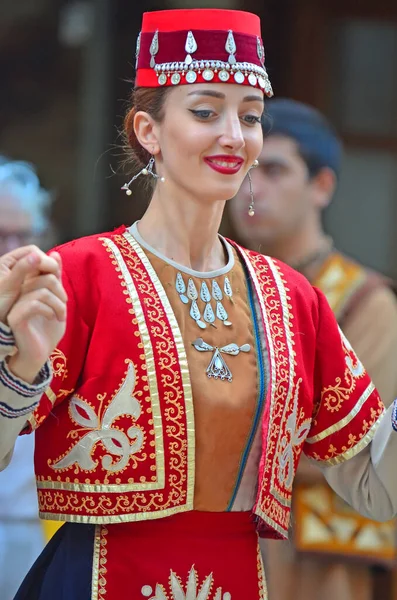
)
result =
(348, 409)
(18, 399)
(367, 481)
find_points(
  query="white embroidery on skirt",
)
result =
(177, 591)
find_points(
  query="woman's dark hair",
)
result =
(150, 100)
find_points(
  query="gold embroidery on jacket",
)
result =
(290, 443)
(176, 413)
(333, 396)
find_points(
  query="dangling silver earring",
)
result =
(251, 209)
(148, 170)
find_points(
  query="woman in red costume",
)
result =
(192, 373)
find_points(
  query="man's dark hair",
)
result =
(318, 142)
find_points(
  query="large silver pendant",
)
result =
(218, 369)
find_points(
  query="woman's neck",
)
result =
(184, 229)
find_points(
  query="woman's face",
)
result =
(209, 138)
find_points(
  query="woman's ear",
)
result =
(145, 131)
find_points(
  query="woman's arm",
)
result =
(18, 399)
(33, 301)
(368, 481)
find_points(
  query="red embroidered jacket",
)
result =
(115, 431)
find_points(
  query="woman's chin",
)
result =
(225, 190)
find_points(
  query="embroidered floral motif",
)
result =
(333, 396)
(58, 364)
(295, 436)
(191, 591)
(353, 363)
(102, 429)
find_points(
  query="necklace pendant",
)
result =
(192, 293)
(218, 368)
(227, 288)
(205, 295)
(209, 315)
(216, 291)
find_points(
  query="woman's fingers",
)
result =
(11, 258)
(24, 312)
(38, 301)
(50, 282)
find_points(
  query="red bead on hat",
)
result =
(188, 46)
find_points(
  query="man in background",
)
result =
(23, 220)
(293, 184)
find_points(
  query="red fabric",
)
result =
(145, 554)
(201, 18)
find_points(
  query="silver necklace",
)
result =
(208, 316)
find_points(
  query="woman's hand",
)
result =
(16, 266)
(38, 316)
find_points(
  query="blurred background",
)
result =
(66, 70)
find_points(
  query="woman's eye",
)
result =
(202, 114)
(252, 119)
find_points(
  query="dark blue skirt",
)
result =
(63, 571)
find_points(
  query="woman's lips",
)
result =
(227, 165)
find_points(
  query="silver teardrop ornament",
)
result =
(245, 348)
(190, 47)
(227, 288)
(260, 50)
(205, 293)
(138, 48)
(181, 288)
(196, 315)
(231, 48)
(216, 291)
(192, 292)
(209, 314)
(221, 312)
(202, 346)
(232, 349)
(154, 48)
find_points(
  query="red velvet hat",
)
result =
(200, 46)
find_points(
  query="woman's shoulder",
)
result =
(82, 251)
(292, 280)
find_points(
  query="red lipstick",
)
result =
(225, 163)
